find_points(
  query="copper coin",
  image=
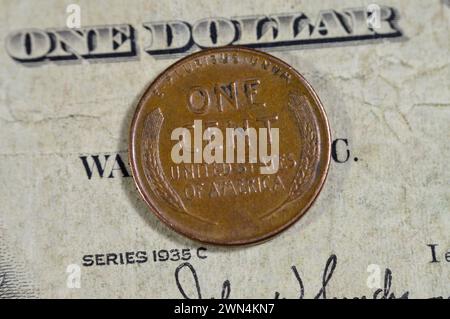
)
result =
(229, 146)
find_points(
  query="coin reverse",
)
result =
(229, 146)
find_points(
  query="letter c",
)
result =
(334, 150)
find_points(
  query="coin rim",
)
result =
(193, 235)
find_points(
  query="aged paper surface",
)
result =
(73, 225)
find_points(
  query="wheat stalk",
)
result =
(301, 108)
(304, 176)
(152, 165)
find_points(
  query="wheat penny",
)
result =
(229, 146)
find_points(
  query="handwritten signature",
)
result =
(330, 266)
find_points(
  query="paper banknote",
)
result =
(72, 224)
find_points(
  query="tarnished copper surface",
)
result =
(230, 203)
